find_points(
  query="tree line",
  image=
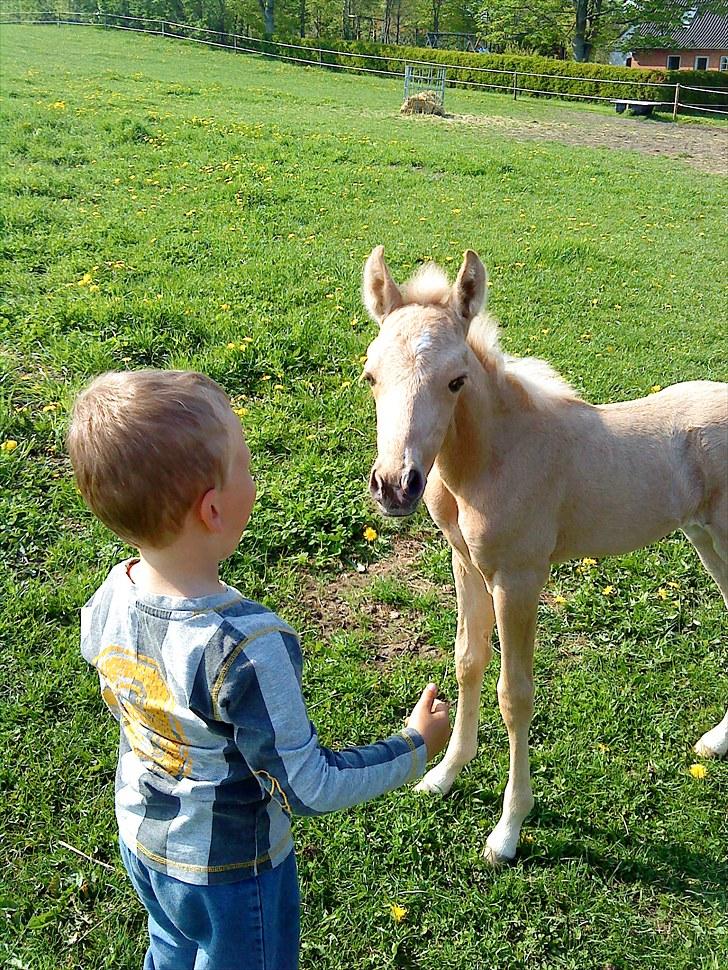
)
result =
(580, 29)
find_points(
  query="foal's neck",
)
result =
(466, 448)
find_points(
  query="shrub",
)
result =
(540, 76)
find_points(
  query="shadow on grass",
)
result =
(628, 859)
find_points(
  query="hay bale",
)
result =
(423, 103)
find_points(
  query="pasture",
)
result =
(165, 205)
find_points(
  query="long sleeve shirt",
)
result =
(216, 749)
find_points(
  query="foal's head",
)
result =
(416, 366)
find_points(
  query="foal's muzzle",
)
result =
(397, 497)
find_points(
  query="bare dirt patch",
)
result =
(704, 147)
(349, 602)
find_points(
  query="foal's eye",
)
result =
(369, 378)
(456, 384)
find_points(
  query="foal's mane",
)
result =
(540, 386)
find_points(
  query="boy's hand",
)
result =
(431, 718)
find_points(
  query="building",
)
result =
(699, 44)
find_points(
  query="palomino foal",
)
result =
(519, 473)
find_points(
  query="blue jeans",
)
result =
(252, 924)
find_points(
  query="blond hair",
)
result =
(145, 445)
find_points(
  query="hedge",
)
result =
(555, 77)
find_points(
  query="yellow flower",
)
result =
(94, 288)
(588, 562)
(698, 771)
(559, 599)
(278, 387)
(59, 105)
(11, 445)
(224, 306)
(662, 593)
(655, 388)
(240, 411)
(370, 534)
(85, 279)
(398, 913)
(609, 590)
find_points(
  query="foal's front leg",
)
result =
(516, 600)
(472, 654)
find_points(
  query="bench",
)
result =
(637, 107)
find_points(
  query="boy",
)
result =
(216, 749)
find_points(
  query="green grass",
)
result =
(211, 198)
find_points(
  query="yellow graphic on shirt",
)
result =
(131, 684)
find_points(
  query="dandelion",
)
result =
(397, 912)
(370, 534)
(698, 771)
(94, 288)
(85, 279)
(231, 346)
(560, 600)
(59, 106)
(278, 387)
(655, 388)
(240, 411)
(662, 593)
(49, 407)
(11, 445)
(602, 747)
(224, 306)
(609, 591)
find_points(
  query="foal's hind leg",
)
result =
(472, 642)
(712, 547)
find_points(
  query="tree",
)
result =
(583, 25)
(267, 9)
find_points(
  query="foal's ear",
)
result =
(468, 293)
(380, 292)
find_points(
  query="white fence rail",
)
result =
(667, 94)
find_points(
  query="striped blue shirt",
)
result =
(216, 749)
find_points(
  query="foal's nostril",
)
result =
(412, 484)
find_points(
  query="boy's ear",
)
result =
(380, 292)
(209, 512)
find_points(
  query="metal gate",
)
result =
(420, 77)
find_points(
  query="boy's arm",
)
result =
(261, 696)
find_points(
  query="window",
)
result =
(673, 62)
(701, 63)
(723, 64)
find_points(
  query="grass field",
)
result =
(165, 205)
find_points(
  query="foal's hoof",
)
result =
(437, 781)
(705, 748)
(495, 860)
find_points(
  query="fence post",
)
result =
(515, 85)
(163, 31)
(676, 105)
